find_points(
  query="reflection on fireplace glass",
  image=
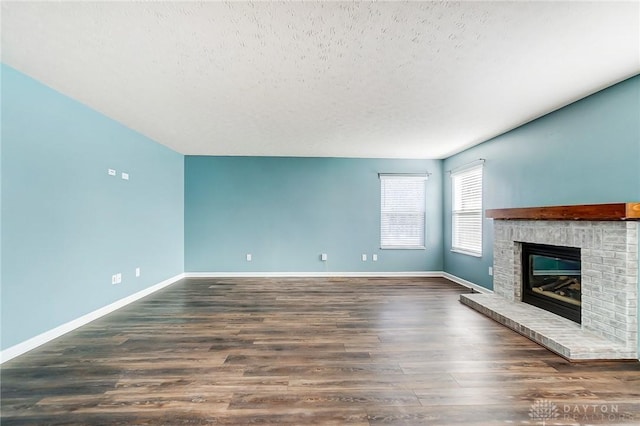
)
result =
(556, 278)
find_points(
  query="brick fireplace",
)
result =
(607, 236)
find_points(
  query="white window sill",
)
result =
(402, 248)
(468, 253)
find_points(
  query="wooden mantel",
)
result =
(613, 211)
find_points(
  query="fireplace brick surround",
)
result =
(609, 258)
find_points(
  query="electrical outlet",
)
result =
(374, 257)
(137, 272)
(323, 257)
(364, 257)
(249, 257)
(490, 270)
(125, 176)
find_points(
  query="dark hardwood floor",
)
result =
(309, 351)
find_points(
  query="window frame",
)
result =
(457, 194)
(383, 212)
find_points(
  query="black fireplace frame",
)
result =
(558, 307)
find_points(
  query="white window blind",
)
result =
(467, 211)
(403, 206)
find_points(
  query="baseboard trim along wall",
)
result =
(466, 283)
(56, 332)
(47, 336)
(434, 274)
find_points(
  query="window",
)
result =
(402, 213)
(466, 221)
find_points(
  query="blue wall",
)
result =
(587, 152)
(287, 211)
(67, 226)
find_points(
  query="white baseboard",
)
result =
(47, 336)
(466, 283)
(312, 274)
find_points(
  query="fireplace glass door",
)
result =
(551, 279)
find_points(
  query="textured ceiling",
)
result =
(395, 79)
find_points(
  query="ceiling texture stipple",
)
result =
(331, 79)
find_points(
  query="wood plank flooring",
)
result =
(309, 351)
